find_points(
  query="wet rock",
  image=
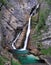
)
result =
(20, 42)
(35, 51)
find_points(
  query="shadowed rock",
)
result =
(20, 41)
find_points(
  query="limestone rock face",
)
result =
(46, 36)
(21, 39)
(15, 16)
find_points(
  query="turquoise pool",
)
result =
(25, 57)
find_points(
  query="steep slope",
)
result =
(14, 17)
(13, 20)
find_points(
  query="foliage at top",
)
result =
(3, 2)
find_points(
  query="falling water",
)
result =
(28, 30)
(15, 41)
(27, 35)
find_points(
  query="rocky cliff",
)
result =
(14, 17)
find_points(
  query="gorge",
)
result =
(22, 32)
(23, 51)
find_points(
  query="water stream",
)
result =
(15, 41)
(28, 31)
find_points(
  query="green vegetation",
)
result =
(14, 62)
(42, 18)
(3, 2)
(43, 14)
(37, 36)
(2, 60)
(40, 25)
(46, 51)
(48, 2)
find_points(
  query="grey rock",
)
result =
(46, 37)
(15, 16)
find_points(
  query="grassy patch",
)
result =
(14, 62)
(46, 51)
(42, 18)
(2, 60)
(48, 2)
(37, 36)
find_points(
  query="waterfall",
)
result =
(28, 30)
(15, 41)
(27, 35)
